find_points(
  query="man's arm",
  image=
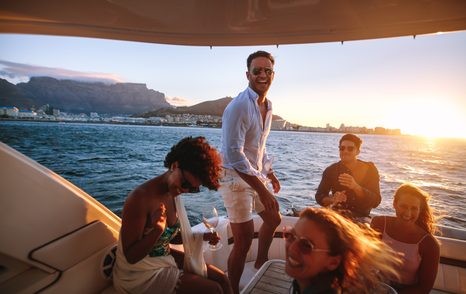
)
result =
(367, 194)
(322, 196)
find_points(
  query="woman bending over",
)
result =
(145, 263)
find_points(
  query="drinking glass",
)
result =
(210, 220)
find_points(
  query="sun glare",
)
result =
(429, 118)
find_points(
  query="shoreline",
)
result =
(187, 125)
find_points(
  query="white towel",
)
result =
(192, 243)
(160, 273)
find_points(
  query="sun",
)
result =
(427, 117)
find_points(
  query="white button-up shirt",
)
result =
(244, 135)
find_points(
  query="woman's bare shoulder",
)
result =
(430, 243)
(141, 196)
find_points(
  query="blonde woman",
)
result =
(411, 232)
(328, 253)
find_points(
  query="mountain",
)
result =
(212, 107)
(75, 96)
(120, 98)
(10, 95)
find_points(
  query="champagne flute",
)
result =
(210, 220)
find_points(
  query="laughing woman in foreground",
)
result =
(411, 233)
(328, 253)
(151, 218)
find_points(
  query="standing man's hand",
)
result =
(275, 182)
(265, 196)
(269, 201)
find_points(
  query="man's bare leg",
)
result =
(271, 220)
(242, 236)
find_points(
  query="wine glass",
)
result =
(210, 220)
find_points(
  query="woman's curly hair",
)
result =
(199, 158)
(365, 260)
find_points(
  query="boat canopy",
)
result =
(232, 22)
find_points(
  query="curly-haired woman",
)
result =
(411, 232)
(328, 253)
(150, 220)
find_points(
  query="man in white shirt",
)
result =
(245, 127)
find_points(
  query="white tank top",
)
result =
(410, 256)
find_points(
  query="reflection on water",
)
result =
(108, 161)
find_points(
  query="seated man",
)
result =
(354, 183)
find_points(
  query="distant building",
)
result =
(26, 114)
(156, 120)
(380, 130)
(125, 119)
(9, 111)
(278, 124)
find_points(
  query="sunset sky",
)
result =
(417, 85)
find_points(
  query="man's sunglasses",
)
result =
(257, 70)
(186, 185)
(304, 245)
(349, 148)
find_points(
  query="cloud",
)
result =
(178, 101)
(18, 72)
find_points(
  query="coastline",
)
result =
(190, 125)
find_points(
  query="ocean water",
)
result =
(108, 161)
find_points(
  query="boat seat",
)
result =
(69, 250)
(451, 275)
(19, 277)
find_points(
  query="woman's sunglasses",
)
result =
(349, 148)
(304, 245)
(186, 185)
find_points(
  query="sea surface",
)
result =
(108, 161)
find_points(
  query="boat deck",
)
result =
(270, 278)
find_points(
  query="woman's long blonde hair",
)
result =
(365, 260)
(426, 218)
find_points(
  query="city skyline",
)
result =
(395, 83)
(46, 113)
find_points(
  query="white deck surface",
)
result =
(270, 278)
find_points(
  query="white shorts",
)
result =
(238, 197)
